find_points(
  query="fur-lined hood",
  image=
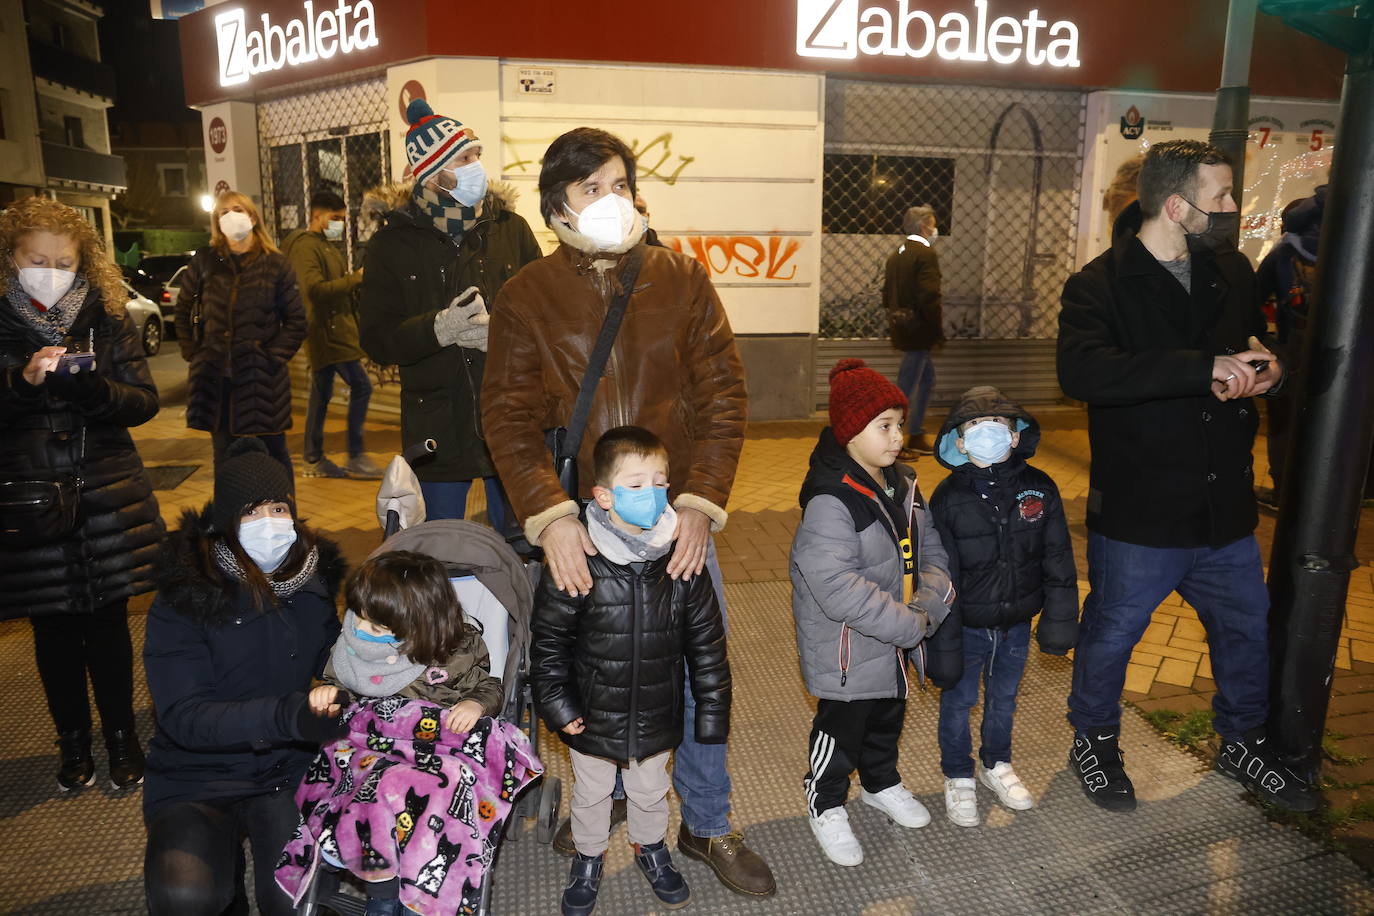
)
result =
(396, 201)
(187, 587)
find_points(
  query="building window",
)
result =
(867, 195)
(73, 131)
(173, 180)
(59, 34)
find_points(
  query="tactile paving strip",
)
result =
(1194, 846)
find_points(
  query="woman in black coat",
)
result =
(240, 320)
(243, 621)
(73, 582)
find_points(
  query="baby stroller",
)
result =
(497, 590)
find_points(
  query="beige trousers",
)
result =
(646, 794)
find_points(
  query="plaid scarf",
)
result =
(229, 564)
(448, 215)
(56, 321)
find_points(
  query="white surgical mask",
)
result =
(333, 230)
(236, 225)
(267, 540)
(607, 221)
(934, 234)
(471, 184)
(989, 441)
(46, 284)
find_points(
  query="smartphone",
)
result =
(75, 363)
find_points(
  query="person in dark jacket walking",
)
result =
(64, 293)
(328, 289)
(428, 275)
(869, 582)
(1002, 524)
(912, 298)
(243, 620)
(240, 320)
(1160, 336)
(607, 667)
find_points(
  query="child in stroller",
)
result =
(413, 799)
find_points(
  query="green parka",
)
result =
(327, 290)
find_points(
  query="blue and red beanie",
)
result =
(433, 139)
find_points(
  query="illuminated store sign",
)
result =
(245, 51)
(842, 30)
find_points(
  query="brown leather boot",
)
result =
(563, 841)
(736, 865)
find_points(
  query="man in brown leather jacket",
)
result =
(674, 370)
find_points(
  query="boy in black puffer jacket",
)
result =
(607, 667)
(1002, 522)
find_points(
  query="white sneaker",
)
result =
(1002, 779)
(899, 804)
(961, 802)
(837, 840)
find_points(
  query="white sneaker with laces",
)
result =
(899, 804)
(961, 802)
(1002, 780)
(837, 840)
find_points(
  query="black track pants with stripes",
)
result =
(845, 736)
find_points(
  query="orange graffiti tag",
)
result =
(745, 256)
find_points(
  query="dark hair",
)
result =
(409, 594)
(254, 580)
(326, 200)
(573, 157)
(1171, 168)
(615, 444)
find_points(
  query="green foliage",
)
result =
(1187, 730)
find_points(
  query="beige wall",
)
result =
(21, 160)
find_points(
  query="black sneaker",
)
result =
(1252, 762)
(75, 767)
(668, 884)
(1097, 759)
(126, 758)
(584, 882)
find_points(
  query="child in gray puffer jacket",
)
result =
(870, 581)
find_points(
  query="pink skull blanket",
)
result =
(401, 795)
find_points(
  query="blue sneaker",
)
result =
(667, 882)
(584, 882)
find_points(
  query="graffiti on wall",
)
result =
(655, 158)
(742, 257)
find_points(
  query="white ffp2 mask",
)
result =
(46, 284)
(607, 221)
(236, 225)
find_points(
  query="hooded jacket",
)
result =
(1171, 465)
(1008, 541)
(614, 658)
(227, 680)
(327, 288)
(848, 576)
(411, 271)
(109, 556)
(674, 369)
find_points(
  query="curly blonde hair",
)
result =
(43, 214)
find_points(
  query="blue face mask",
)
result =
(989, 441)
(641, 507)
(333, 230)
(389, 639)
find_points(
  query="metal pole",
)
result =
(1231, 122)
(1313, 555)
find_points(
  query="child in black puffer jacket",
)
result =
(1002, 523)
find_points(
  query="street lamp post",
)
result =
(1231, 121)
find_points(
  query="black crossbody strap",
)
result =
(601, 354)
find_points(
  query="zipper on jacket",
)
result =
(844, 653)
(631, 742)
(467, 368)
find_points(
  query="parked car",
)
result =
(170, 290)
(147, 317)
(159, 268)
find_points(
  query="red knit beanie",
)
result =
(857, 395)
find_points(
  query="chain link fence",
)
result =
(1001, 169)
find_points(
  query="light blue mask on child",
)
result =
(641, 507)
(389, 639)
(989, 441)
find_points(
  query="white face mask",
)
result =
(267, 540)
(471, 185)
(334, 230)
(988, 441)
(236, 225)
(607, 221)
(934, 234)
(46, 284)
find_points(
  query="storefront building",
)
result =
(779, 141)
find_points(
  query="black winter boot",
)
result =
(126, 758)
(584, 883)
(75, 766)
(1097, 761)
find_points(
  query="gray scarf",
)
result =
(56, 321)
(623, 548)
(372, 669)
(227, 562)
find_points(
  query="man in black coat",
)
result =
(1160, 336)
(912, 298)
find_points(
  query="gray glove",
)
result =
(464, 322)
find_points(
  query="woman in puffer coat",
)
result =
(64, 293)
(239, 321)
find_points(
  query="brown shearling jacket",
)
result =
(674, 370)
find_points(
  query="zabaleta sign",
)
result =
(263, 44)
(847, 29)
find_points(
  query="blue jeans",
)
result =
(1225, 585)
(449, 499)
(997, 658)
(916, 378)
(321, 390)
